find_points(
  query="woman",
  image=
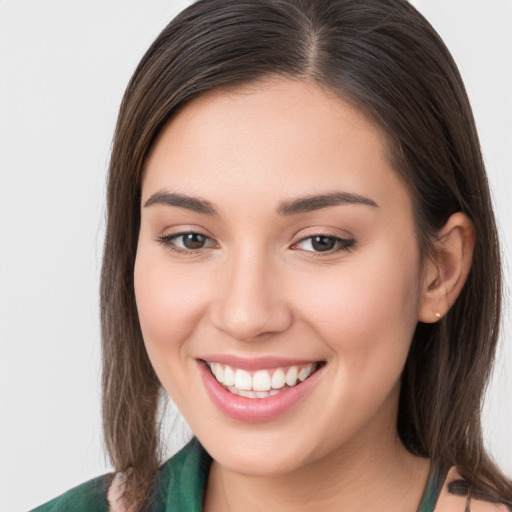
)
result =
(301, 252)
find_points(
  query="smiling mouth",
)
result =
(261, 383)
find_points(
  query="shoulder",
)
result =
(452, 499)
(87, 497)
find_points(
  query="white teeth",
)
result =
(243, 380)
(291, 375)
(278, 379)
(229, 376)
(233, 390)
(218, 372)
(305, 372)
(248, 394)
(262, 383)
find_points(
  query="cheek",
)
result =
(367, 307)
(365, 312)
(170, 304)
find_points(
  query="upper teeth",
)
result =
(260, 380)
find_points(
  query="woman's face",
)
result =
(276, 241)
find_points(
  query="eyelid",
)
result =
(168, 239)
(342, 244)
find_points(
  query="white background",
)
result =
(63, 68)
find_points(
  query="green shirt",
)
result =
(180, 487)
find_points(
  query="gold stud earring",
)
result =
(437, 314)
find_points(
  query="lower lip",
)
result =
(255, 410)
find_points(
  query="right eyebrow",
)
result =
(317, 202)
(195, 204)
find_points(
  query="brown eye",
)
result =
(187, 243)
(323, 243)
(193, 241)
(318, 244)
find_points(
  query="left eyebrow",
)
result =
(317, 202)
(195, 204)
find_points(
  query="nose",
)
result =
(251, 299)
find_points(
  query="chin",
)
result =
(253, 463)
(259, 458)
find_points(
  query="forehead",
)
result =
(277, 138)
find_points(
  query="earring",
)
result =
(437, 314)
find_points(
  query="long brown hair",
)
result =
(384, 58)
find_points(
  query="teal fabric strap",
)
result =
(433, 488)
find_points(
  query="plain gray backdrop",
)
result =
(63, 69)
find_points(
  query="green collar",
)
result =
(182, 480)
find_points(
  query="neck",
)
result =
(371, 471)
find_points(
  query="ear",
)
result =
(446, 271)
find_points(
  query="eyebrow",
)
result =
(317, 202)
(182, 201)
(291, 207)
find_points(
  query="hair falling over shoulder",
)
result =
(384, 58)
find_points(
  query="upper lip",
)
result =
(255, 363)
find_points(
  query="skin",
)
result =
(258, 288)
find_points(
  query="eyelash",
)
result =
(341, 244)
(168, 242)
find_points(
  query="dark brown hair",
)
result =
(383, 57)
